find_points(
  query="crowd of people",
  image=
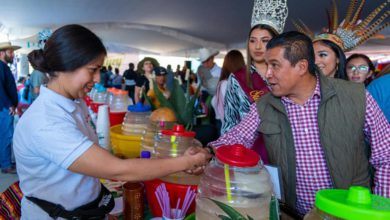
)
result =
(297, 100)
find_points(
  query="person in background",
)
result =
(130, 76)
(144, 81)
(330, 58)
(380, 90)
(233, 61)
(330, 45)
(245, 86)
(183, 76)
(315, 127)
(206, 57)
(177, 72)
(117, 79)
(24, 96)
(248, 85)
(170, 78)
(208, 72)
(160, 74)
(193, 83)
(109, 75)
(359, 68)
(104, 78)
(8, 104)
(20, 84)
(59, 161)
(37, 79)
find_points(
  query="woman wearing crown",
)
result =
(329, 46)
(247, 85)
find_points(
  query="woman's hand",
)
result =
(198, 159)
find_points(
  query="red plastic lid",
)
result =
(178, 130)
(237, 155)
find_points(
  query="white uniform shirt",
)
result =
(50, 136)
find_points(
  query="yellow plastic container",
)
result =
(124, 146)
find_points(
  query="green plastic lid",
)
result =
(355, 203)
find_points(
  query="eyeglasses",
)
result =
(360, 69)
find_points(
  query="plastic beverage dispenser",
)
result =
(357, 203)
(153, 135)
(237, 178)
(136, 119)
(100, 94)
(119, 101)
(161, 119)
(174, 143)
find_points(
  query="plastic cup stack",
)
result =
(103, 127)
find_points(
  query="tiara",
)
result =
(352, 32)
(270, 12)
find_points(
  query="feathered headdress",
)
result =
(270, 12)
(352, 32)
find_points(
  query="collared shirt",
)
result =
(215, 71)
(311, 170)
(52, 134)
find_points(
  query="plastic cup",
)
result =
(174, 212)
(103, 127)
(133, 201)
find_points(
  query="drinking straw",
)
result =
(176, 215)
(186, 198)
(167, 202)
(174, 146)
(227, 180)
(159, 201)
(190, 196)
(163, 199)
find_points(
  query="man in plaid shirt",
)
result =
(314, 127)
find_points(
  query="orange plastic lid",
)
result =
(111, 89)
(119, 92)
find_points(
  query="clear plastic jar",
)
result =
(136, 120)
(119, 101)
(236, 178)
(100, 95)
(174, 143)
(153, 135)
(110, 96)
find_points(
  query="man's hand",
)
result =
(201, 157)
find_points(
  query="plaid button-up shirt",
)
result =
(311, 170)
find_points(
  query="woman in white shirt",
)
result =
(58, 158)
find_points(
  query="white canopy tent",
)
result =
(164, 27)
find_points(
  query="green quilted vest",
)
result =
(341, 116)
